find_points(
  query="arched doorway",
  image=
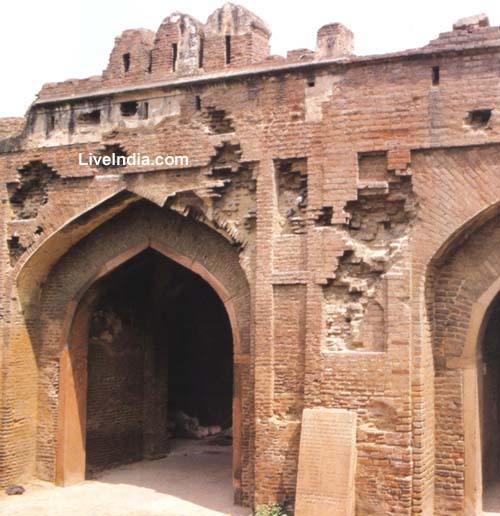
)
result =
(465, 308)
(124, 284)
(159, 363)
(489, 382)
(70, 293)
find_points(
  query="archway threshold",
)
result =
(195, 479)
(491, 499)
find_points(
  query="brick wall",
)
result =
(334, 200)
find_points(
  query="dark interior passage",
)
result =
(490, 390)
(159, 362)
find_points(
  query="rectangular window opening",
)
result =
(72, 121)
(150, 61)
(228, 49)
(200, 53)
(126, 62)
(51, 123)
(479, 118)
(89, 117)
(145, 111)
(435, 75)
(174, 56)
(128, 108)
(198, 102)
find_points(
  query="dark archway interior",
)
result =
(490, 389)
(160, 362)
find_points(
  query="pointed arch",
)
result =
(463, 282)
(57, 283)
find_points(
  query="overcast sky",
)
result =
(54, 40)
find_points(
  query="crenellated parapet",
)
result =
(130, 58)
(232, 39)
(235, 37)
(178, 47)
(334, 40)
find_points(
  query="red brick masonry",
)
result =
(344, 208)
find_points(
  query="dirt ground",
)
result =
(194, 480)
(491, 500)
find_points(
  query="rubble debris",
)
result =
(14, 489)
(188, 427)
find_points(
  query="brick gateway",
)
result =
(343, 214)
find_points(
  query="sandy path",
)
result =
(194, 480)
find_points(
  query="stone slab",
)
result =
(327, 463)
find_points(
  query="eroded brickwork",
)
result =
(344, 208)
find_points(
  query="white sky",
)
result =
(54, 40)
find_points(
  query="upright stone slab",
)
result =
(327, 462)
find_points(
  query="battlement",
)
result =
(232, 38)
(233, 45)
